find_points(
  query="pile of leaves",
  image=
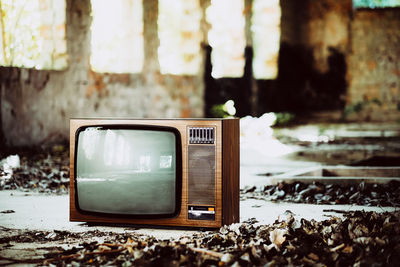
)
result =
(370, 194)
(360, 239)
(39, 171)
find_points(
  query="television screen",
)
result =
(126, 170)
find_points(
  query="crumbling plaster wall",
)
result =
(331, 56)
(317, 25)
(315, 42)
(334, 56)
(374, 65)
(36, 105)
(327, 27)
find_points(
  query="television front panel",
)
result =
(159, 172)
(134, 169)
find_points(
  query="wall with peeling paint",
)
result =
(312, 58)
(36, 105)
(335, 57)
(374, 65)
(331, 57)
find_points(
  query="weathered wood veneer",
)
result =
(226, 172)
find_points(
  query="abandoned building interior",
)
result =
(181, 58)
(316, 85)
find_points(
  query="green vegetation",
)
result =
(218, 111)
(284, 118)
(224, 110)
(375, 3)
(359, 106)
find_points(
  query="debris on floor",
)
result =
(48, 172)
(360, 239)
(44, 172)
(368, 194)
(355, 238)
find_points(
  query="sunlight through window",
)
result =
(33, 34)
(265, 30)
(117, 36)
(227, 37)
(180, 36)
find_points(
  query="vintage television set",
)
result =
(171, 172)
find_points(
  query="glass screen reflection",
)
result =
(126, 171)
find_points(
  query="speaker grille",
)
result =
(201, 174)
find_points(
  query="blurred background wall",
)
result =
(325, 56)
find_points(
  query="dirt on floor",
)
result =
(366, 194)
(350, 151)
(361, 239)
(37, 170)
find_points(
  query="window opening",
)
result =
(117, 36)
(33, 34)
(227, 37)
(180, 36)
(266, 34)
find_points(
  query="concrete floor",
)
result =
(263, 151)
(40, 212)
(266, 155)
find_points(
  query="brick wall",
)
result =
(36, 105)
(374, 65)
(331, 56)
(336, 57)
(312, 58)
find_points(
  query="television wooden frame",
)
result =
(227, 171)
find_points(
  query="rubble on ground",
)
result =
(369, 194)
(48, 172)
(359, 239)
(38, 171)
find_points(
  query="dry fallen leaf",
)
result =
(313, 256)
(128, 245)
(348, 249)
(277, 237)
